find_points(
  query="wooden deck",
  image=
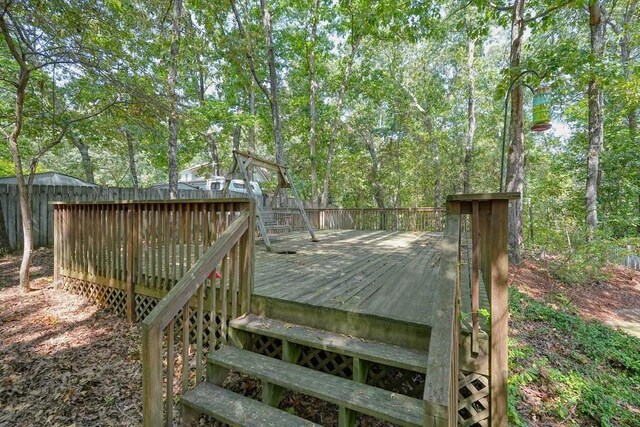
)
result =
(371, 284)
(385, 274)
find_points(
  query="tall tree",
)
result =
(596, 117)
(174, 98)
(354, 43)
(515, 162)
(33, 47)
(471, 111)
(313, 87)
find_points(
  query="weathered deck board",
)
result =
(385, 274)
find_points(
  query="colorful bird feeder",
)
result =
(541, 109)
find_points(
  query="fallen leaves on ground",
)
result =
(64, 361)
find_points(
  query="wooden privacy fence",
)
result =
(388, 219)
(481, 396)
(129, 255)
(43, 195)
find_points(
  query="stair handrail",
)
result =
(440, 390)
(239, 232)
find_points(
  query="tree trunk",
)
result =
(625, 56)
(336, 123)
(374, 176)
(471, 114)
(313, 85)
(596, 119)
(236, 137)
(435, 156)
(132, 158)
(515, 162)
(23, 189)
(251, 137)
(273, 90)
(213, 151)
(87, 163)
(174, 99)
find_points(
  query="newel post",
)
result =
(499, 301)
(489, 219)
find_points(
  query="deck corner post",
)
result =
(499, 303)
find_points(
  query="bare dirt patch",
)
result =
(615, 302)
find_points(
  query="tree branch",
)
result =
(548, 11)
(499, 7)
(13, 49)
(248, 54)
(61, 134)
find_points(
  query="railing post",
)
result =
(152, 407)
(499, 311)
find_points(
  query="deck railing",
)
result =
(230, 295)
(135, 252)
(389, 219)
(449, 343)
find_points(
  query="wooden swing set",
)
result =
(265, 220)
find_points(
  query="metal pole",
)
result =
(504, 123)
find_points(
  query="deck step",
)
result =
(379, 403)
(237, 410)
(373, 351)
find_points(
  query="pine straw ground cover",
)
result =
(66, 362)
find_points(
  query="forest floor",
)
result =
(66, 362)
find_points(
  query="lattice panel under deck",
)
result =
(473, 400)
(398, 380)
(115, 299)
(144, 306)
(268, 346)
(325, 361)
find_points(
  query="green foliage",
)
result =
(582, 371)
(584, 263)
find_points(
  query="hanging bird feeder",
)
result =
(541, 109)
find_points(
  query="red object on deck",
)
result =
(217, 275)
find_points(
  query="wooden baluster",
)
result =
(157, 241)
(475, 285)
(233, 281)
(213, 342)
(116, 242)
(173, 243)
(244, 271)
(189, 232)
(199, 319)
(170, 367)
(139, 245)
(224, 277)
(166, 245)
(131, 299)
(197, 235)
(181, 238)
(185, 347)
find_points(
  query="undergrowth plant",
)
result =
(565, 368)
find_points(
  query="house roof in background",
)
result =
(51, 178)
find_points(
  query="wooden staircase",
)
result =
(352, 396)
